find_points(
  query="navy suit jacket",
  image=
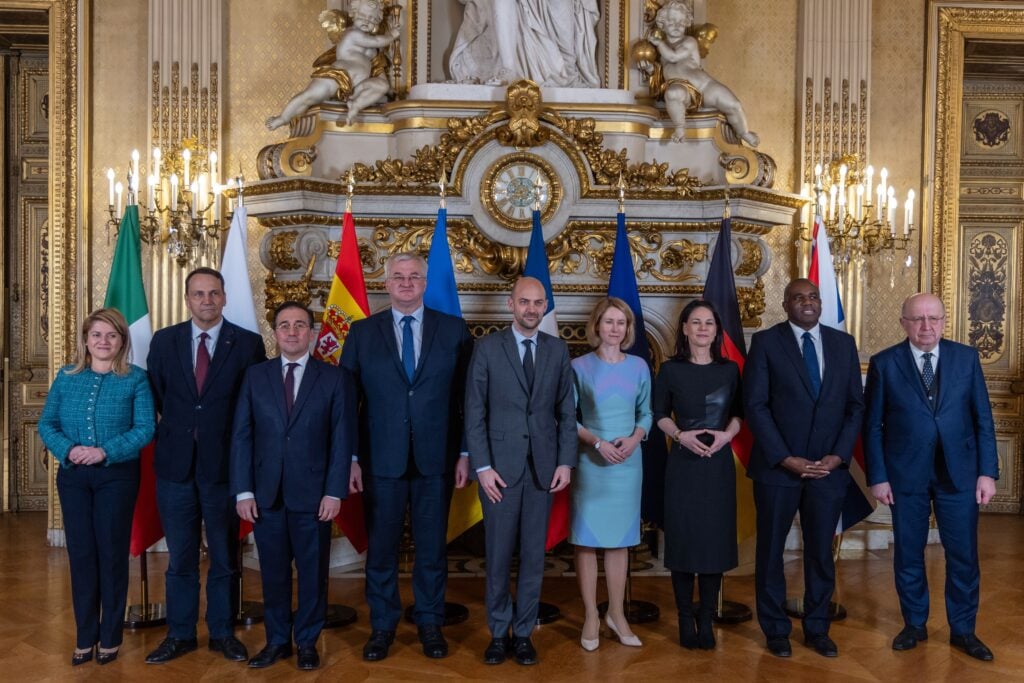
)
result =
(901, 431)
(782, 413)
(396, 411)
(301, 458)
(196, 428)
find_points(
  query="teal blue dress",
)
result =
(612, 400)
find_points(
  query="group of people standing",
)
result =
(416, 408)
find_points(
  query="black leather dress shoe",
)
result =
(822, 644)
(434, 644)
(82, 657)
(780, 647)
(376, 647)
(231, 647)
(309, 658)
(524, 651)
(497, 651)
(970, 644)
(909, 637)
(106, 657)
(171, 648)
(269, 655)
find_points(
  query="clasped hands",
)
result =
(812, 469)
(616, 450)
(329, 509)
(86, 455)
(492, 483)
(690, 441)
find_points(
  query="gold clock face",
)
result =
(512, 186)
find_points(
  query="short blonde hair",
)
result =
(112, 317)
(594, 339)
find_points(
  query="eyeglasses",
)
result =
(297, 326)
(919, 319)
(412, 279)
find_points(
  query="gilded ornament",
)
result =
(986, 286)
(751, 303)
(282, 250)
(750, 258)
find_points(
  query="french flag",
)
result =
(859, 502)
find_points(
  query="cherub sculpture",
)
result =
(356, 74)
(679, 76)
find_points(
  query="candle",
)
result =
(879, 199)
(174, 192)
(156, 161)
(194, 189)
(202, 196)
(909, 213)
(186, 157)
(842, 178)
(860, 201)
(883, 176)
(110, 183)
(151, 192)
(216, 202)
(118, 189)
(133, 181)
(831, 202)
(817, 174)
(869, 175)
(213, 167)
(892, 217)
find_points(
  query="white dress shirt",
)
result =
(211, 343)
(919, 358)
(815, 339)
(417, 332)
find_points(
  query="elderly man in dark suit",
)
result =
(295, 432)
(195, 369)
(804, 403)
(929, 441)
(409, 364)
(521, 432)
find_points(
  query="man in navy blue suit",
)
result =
(804, 404)
(295, 431)
(409, 363)
(195, 369)
(929, 440)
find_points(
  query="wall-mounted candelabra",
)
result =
(185, 202)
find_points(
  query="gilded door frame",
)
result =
(950, 25)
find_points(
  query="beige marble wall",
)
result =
(897, 123)
(756, 56)
(271, 48)
(117, 94)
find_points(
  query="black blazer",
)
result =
(300, 458)
(196, 428)
(395, 412)
(784, 417)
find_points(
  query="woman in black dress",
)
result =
(697, 402)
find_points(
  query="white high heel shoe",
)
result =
(589, 645)
(631, 641)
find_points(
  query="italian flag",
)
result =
(126, 293)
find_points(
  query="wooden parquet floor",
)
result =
(37, 629)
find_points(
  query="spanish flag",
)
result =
(346, 303)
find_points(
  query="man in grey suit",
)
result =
(521, 433)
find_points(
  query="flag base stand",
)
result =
(454, 613)
(730, 612)
(547, 613)
(637, 611)
(147, 614)
(795, 608)
(339, 615)
(249, 612)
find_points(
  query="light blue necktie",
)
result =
(408, 348)
(811, 361)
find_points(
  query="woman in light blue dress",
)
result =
(613, 399)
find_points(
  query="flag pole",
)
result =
(454, 612)
(339, 615)
(145, 614)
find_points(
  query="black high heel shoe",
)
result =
(106, 657)
(82, 657)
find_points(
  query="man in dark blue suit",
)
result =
(929, 440)
(295, 431)
(196, 369)
(804, 403)
(409, 363)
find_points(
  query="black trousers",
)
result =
(97, 502)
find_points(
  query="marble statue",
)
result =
(681, 79)
(551, 42)
(357, 73)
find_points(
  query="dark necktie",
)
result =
(289, 387)
(811, 361)
(408, 347)
(928, 371)
(202, 362)
(528, 362)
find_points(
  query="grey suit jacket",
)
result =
(505, 421)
